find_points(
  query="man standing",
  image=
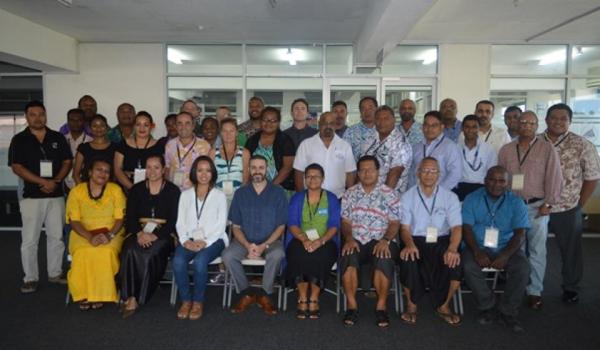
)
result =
(430, 233)
(252, 125)
(494, 225)
(361, 135)
(409, 127)
(440, 147)
(222, 112)
(258, 213)
(390, 149)
(181, 151)
(495, 137)
(536, 177)
(511, 120)
(42, 159)
(370, 221)
(300, 130)
(329, 151)
(452, 126)
(580, 167)
(75, 137)
(477, 155)
(340, 109)
(89, 107)
(190, 106)
(126, 120)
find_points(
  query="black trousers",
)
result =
(567, 227)
(365, 256)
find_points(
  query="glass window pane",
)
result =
(529, 59)
(281, 92)
(338, 60)
(9, 126)
(284, 60)
(204, 59)
(209, 93)
(585, 102)
(422, 95)
(411, 60)
(352, 94)
(17, 91)
(586, 60)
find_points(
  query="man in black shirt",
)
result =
(42, 159)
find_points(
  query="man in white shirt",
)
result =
(496, 137)
(329, 151)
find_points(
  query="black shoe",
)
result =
(570, 297)
(511, 323)
(486, 317)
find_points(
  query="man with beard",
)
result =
(340, 109)
(252, 125)
(511, 120)
(496, 137)
(258, 214)
(452, 126)
(409, 127)
(329, 151)
(126, 119)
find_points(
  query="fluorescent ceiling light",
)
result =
(552, 57)
(428, 56)
(292, 55)
(175, 56)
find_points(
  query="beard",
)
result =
(328, 132)
(258, 177)
(407, 116)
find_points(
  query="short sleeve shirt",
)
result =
(414, 135)
(179, 158)
(360, 137)
(392, 152)
(440, 210)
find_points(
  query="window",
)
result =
(265, 60)
(411, 61)
(522, 60)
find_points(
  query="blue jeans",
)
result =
(536, 249)
(201, 259)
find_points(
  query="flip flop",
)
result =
(84, 306)
(302, 314)
(448, 317)
(97, 306)
(412, 318)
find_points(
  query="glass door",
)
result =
(350, 90)
(421, 91)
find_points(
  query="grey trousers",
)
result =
(517, 270)
(567, 227)
(234, 254)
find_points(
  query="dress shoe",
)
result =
(184, 310)
(486, 317)
(29, 287)
(570, 297)
(265, 303)
(197, 311)
(244, 303)
(511, 323)
(60, 279)
(535, 302)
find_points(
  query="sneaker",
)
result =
(486, 317)
(220, 278)
(570, 297)
(29, 287)
(57, 279)
(511, 323)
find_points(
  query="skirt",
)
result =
(314, 267)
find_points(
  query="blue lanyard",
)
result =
(493, 213)
(430, 212)
(434, 148)
(472, 166)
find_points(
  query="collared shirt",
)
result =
(506, 214)
(495, 137)
(540, 165)
(337, 160)
(64, 129)
(448, 156)
(340, 132)
(440, 210)
(247, 128)
(258, 215)
(359, 136)
(579, 161)
(180, 158)
(26, 150)
(392, 152)
(74, 144)
(370, 213)
(299, 135)
(414, 134)
(477, 161)
(454, 132)
(213, 216)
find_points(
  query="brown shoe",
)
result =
(197, 311)
(244, 303)
(535, 302)
(265, 303)
(184, 310)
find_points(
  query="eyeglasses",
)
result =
(270, 121)
(525, 122)
(429, 171)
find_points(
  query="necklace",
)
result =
(96, 198)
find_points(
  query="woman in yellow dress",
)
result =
(95, 210)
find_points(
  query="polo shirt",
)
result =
(337, 160)
(448, 156)
(26, 150)
(495, 137)
(476, 161)
(299, 135)
(441, 210)
(258, 215)
(509, 213)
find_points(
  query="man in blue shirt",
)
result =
(494, 225)
(258, 215)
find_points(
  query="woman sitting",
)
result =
(95, 210)
(313, 221)
(201, 221)
(150, 223)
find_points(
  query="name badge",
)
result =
(490, 239)
(139, 175)
(198, 234)
(228, 187)
(149, 227)
(45, 168)
(322, 211)
(178, 178)
(518, 182)
(312, 234)
(431, 234)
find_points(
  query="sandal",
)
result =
(449, 318)
(301, 310)
(315, 313)
(97, 306)
(409, 318)
(382, 319)
(350, 317)
(84, 306)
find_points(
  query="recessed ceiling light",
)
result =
(66, 3)
(200, 27)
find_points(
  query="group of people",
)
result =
(434, 202)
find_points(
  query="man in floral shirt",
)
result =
(361, 135)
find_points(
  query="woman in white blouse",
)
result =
(201, 221)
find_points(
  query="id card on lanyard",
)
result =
(45, 164)
(432, 232)
(491, 235)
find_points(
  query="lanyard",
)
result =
(521, 161)
(312, 214)
(472, 166)
(181, 159)
(493, 213)
(228, 162)
(434, 148)
(487, 137)
(43, 152)
(153, 199)
(430, 212)
(199, 214)
(378, 147)
(560, 140)
(136, 147)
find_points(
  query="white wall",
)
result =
(112, 74)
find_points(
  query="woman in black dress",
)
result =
(150, 223)
(99, 148)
